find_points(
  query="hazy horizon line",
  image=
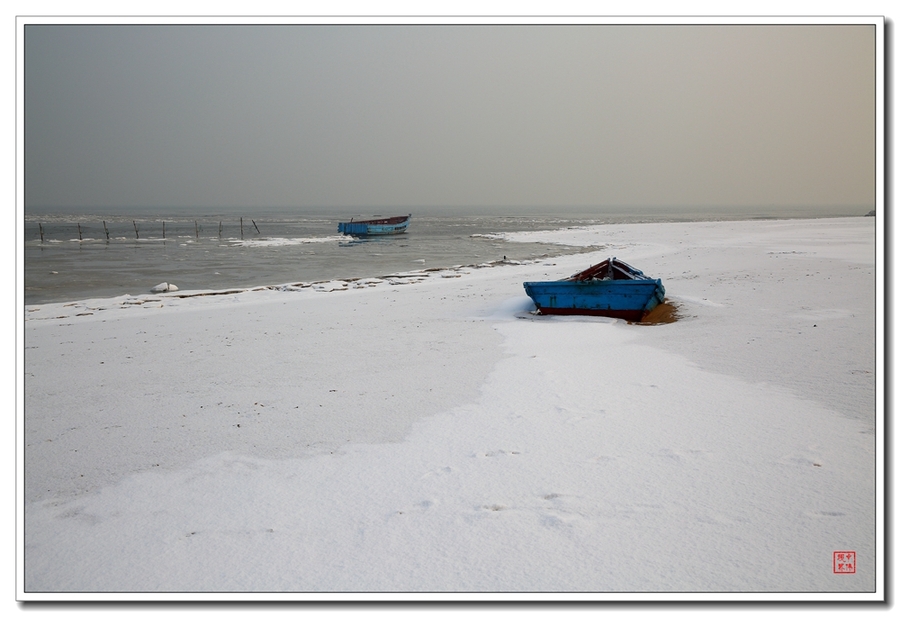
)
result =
(440, 210)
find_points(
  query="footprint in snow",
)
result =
(438, 472)
(498, 453)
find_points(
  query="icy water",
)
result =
(218, 253)
(78, 258)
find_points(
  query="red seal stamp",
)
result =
(845, 562)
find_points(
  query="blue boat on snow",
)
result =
(611, 288)
(376, 227)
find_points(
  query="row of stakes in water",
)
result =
(137, 233)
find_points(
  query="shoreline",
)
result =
(569, 239)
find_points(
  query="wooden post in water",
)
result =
(106, 230)
(242, 228)
(196, 230)
(220, 229)
(135, 230)
(79, 230)
(254, 224)
(41, 229)
(164, 230)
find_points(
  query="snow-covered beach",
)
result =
(426, 433)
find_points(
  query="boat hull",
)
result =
(377, 227)
(622, 299)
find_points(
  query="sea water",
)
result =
(77, 257)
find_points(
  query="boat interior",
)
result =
(608, 270)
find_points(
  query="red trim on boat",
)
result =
(627, 315)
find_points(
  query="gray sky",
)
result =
(412, 117)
